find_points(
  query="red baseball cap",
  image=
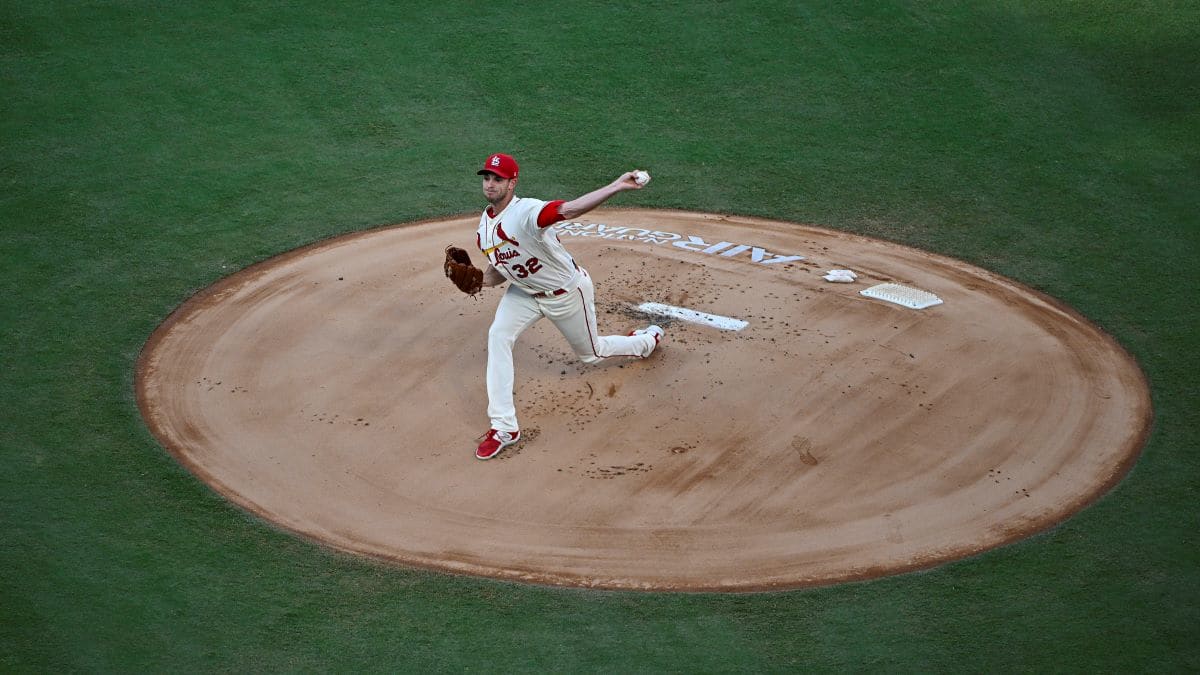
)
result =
(500, 164)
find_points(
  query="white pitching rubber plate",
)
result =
(685, 314)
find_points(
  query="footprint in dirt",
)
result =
(803, 446)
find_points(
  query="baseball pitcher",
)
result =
(516, 237)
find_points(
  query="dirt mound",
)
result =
(835, 437)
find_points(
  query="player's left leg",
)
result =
(516, 312)
(575, 316)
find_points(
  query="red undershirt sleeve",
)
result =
(549, 214)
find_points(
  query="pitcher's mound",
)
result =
(338, 391)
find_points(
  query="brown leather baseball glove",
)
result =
(466, 276)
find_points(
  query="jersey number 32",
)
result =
(531, 266)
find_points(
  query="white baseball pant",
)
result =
(574, 314)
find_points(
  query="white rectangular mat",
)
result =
(913, 298)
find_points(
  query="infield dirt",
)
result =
(338, 392)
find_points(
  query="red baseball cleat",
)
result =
(495, 441)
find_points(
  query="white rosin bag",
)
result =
(840, 276)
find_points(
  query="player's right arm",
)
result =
(581, 205)
(492, 276)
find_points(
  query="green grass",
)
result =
(149, 149)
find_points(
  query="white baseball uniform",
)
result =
(545, 282)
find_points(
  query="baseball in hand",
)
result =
(641, 177)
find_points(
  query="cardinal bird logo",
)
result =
(504, 237)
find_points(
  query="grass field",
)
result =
(148, 149)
